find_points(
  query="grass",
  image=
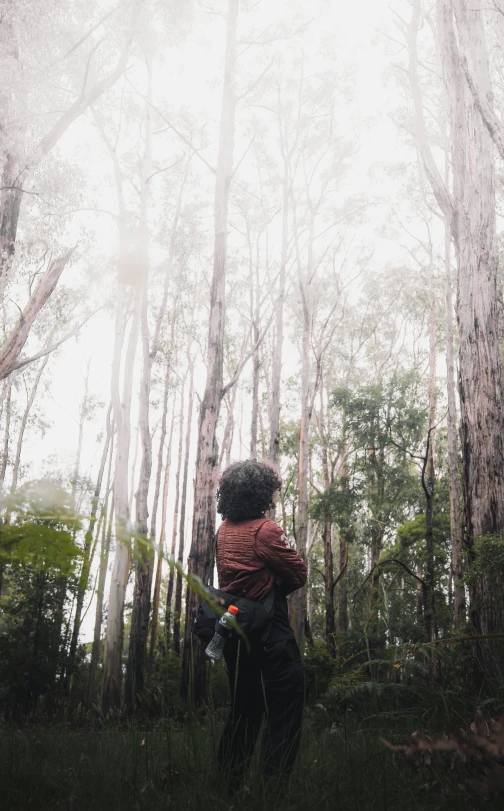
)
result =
(171, 765)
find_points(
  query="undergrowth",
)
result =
(357, 733)
(343, 764)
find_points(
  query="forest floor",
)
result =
(171, 765)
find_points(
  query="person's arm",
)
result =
(273, 549)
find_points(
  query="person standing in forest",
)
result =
(254, 557)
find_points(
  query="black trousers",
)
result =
(267, 682)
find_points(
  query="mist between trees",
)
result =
(236, 230)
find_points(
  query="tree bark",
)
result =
(22, 428)
(162, 539)
(171, 577)
(183, 503)
(12, 348)
(456, 526)
(480, 372)
(330, 619)
(276, 373)
(342, 588)
(153, 529)
(227, 437)
(343, 548)
(86, 552)
(428, 483)
(298, 601)
(102, 573)
(82, 421)
(473, 62)
(456, 99)
(256, 361)
(6, 442)
(112, 672)
(202, 548)
(135, 668)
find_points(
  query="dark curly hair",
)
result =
(246, 490)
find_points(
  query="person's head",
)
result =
(246, 490)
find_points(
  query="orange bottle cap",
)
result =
(233, 609)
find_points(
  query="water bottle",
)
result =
(215, 647)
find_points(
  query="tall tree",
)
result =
(471, 215)
(88, 545)
(183, 505)
(201, 554)
(480, 381)
(107, 514)
(155, 509)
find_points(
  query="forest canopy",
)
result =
(246, 230)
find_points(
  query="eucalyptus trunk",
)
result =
(456, 525)
(201, 555)
(256, 361)
(114, 636)
(298, 615)
(276, 373)
(106, 538)
(86, 551)
(477, 309)
(342, 589)
(171, 576)
(183, 504)
(22, 428)
(135, 668)
(153, 529)
(330, 619)
(6, 442)
(428, 483)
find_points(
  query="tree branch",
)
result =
(246, 357)
(12, 348)
(47, 350)
(85, 100)
(441, 193)
(342, 570)
(91, 31)
(382, 563)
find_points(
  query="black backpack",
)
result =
(252, 616)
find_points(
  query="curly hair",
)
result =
(246, 490)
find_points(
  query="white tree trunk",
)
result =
(183, 504)
(22, 428)
(276, 373)
(298, 601)
(202, 552)
(108, 503)
(13, 346)
(153, 529)
(112, 664)
(456, 525)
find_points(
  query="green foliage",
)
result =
(384, 426)
(489, 557)
(410, 542)
(39, 555)
(337, 505)
(42, 529)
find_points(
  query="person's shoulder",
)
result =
(269, 525)
(271, 531)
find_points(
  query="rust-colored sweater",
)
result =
(254, 555)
